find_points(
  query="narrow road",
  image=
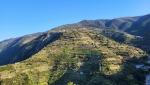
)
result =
(147, 81)
(145, 68)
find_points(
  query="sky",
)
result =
(21, 17)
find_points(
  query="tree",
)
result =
(70, 83)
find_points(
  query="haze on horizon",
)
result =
(20, 17)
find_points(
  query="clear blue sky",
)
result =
(20, 17)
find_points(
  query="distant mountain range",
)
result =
(90, 52)
(131, 25)
(137, 26)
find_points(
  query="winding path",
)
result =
(145, 68)
(147, 81)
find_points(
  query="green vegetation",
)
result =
(71, 83)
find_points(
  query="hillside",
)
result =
(90, 52)
(79, 56)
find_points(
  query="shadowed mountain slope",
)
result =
(21, 48)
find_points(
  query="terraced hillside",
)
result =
(80, 56)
